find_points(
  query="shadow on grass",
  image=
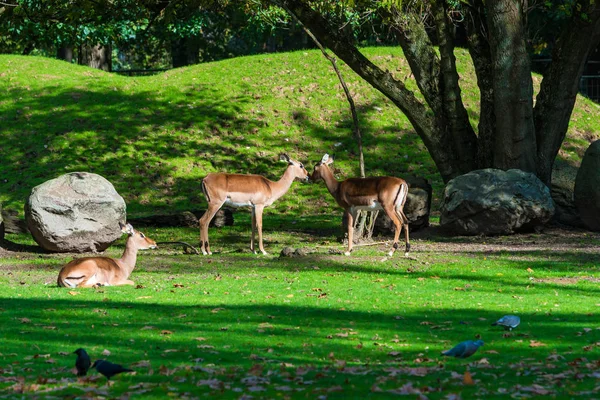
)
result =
(127, 135)
(235, 332)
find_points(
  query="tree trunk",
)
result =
(560, 85)
(185, 51)
(479, 49)
(98, 56)
(65, 53)
(515, 145)
(454, 116)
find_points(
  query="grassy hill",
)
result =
(155, 137)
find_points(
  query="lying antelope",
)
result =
(377, 193)
(253, 191)
(105, 271)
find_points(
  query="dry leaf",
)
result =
(535, 343)
(166, 332)
(106, 352)
(468, 379)
(73, 293)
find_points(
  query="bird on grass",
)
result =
(83, 362)
(509, 322)
(109, 369)
(464, 349)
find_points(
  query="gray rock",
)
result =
(76, 212)
(416, 209)
(493, 202)
(562, 190)
(301, 252)
(287, 252)
(587, 187)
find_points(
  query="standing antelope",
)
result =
(105, 271)
(253, 191)
(377, 193)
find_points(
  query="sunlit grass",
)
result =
(155, 137)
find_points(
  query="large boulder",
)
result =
(562, 190)
(76, 212)
(587, 187)
(493, 202)
(416, 208)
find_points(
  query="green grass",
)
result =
(155, 137)
(320, 325)
(234, 324)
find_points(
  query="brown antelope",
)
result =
(105, 271)
(377, 193)
(253, 191)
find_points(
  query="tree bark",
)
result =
(65, 53)
(515, 144)
(560, 85)
(454, 116)
(479, 49)
(98, 56)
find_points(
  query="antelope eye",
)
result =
(142, 235)
(301, 165)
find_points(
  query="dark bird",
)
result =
(509, 322)
(109, 369)
(83, 362)
(464, 349)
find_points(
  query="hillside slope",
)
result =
(155, 137)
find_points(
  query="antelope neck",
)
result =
(280, 187)
(330, 181)
(129, 257)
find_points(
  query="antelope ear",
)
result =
(285, 158)
(128, 229)
(325, 158)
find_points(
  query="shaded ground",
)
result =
(430, 240)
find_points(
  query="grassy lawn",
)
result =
(236, 325)
(319, 326)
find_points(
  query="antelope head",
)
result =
(141, 241)
(318, 171)
(298, 169)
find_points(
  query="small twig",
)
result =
(186, 245)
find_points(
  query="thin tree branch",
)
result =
(333, 61)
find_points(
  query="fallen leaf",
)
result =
(535, 343)
(141, 364)
(106, 352)
(73, 293)
(468, 379)
(166, 332)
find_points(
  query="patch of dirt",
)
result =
(553, 238)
